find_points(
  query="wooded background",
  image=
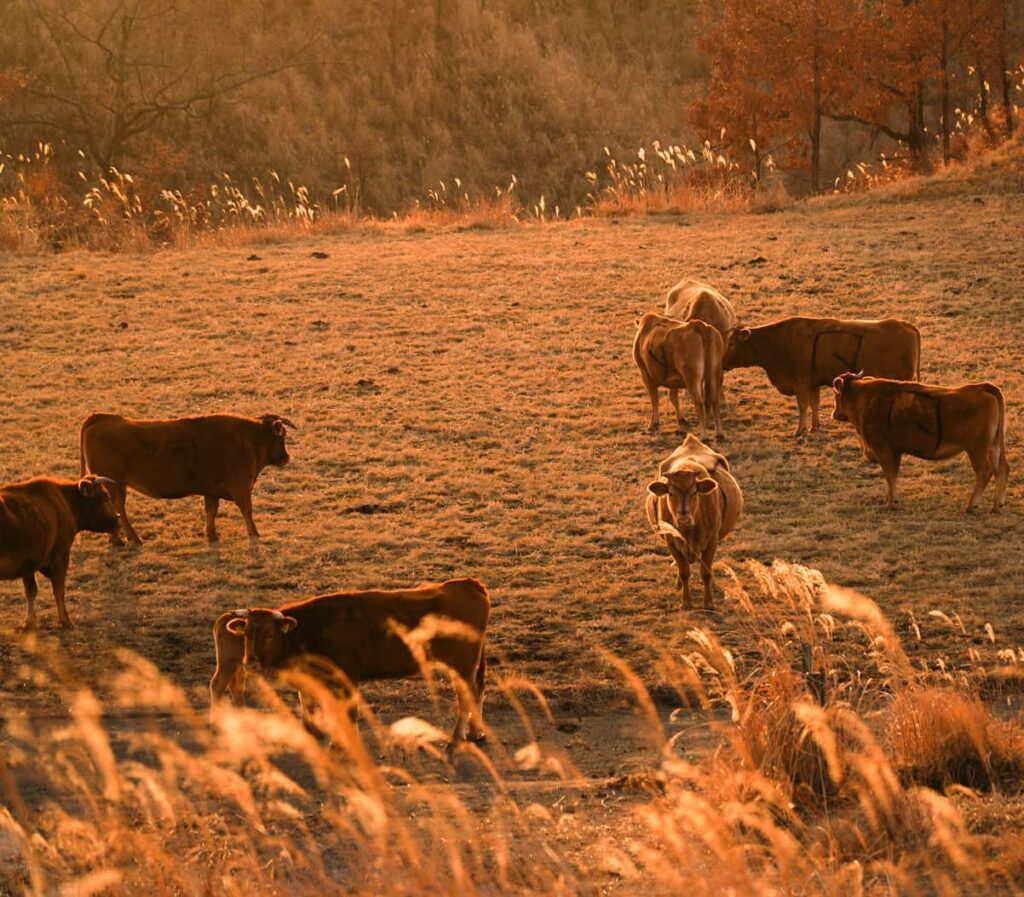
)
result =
(382, 100)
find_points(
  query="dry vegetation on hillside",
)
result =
(467, 405)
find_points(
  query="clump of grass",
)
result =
(818, 786)
(941, 736)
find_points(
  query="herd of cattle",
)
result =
(872, 366)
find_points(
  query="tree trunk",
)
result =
(916, 139)
(816, 124)
(1004, 74)
(983, 103)
(944, 69)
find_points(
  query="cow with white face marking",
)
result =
(693, 504)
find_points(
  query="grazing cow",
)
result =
(218, 457)
(800, 355)
(39, 520)
(361, 634)
(895, 418)
(680, 356)
(693, 504)
(691, 300)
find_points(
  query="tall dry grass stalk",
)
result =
(818, 786)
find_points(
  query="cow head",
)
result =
(684, 485)
(739, 349)
(274, 427)
(266, 637)
(92, 505)
(841, 391)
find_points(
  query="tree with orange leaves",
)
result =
(778, 68)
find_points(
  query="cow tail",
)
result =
(917, 362)
(81, 448)
(1001, 427)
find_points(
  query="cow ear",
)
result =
(706, 485)
(86, 488)
(236, 626)
(278, 428)
(288, 624)
(658, 487)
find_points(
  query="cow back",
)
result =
(35, 522)
(366, 634)
(172, 458)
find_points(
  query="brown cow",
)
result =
(800, 355)
(39, 520)
(691, 300)
(694, 503)
(218, 457)
(361, 634)
(680, 356)
(895, 418)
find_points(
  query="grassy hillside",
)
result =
(467, 405)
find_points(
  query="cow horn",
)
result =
(106, 481)
(287, 423)
(278, 615)
(241, 612)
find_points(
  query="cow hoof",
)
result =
(66, 624)
(652, 430)
(27, 626)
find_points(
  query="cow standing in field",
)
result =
(218, 457)
(800, 355)
(680, 356)
(895, 418)
(39, 520)
(367, 636)
(693, 504)
(691, 300)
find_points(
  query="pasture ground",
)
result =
(467, 405)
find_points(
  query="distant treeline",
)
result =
(377, 102)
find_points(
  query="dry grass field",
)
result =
(467, 405)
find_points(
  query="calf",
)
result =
(800, 355)
(894, 418)
(218, 457)
(680, 356)
(693, 504)
(361, 635)
(39, 520)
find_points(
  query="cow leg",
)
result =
(31, 590)
(716, 407)
(211, 504)
(465, 702)
(682, 572)
(244, 502)
(673, 395)
(890, 462)
(119, 494)
(700, 406)
(985, 467)
(476, 721)
(803, 403)
(652, 394)
(707, 575)
(1002, 477)
(815, 397)
(57, 579)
